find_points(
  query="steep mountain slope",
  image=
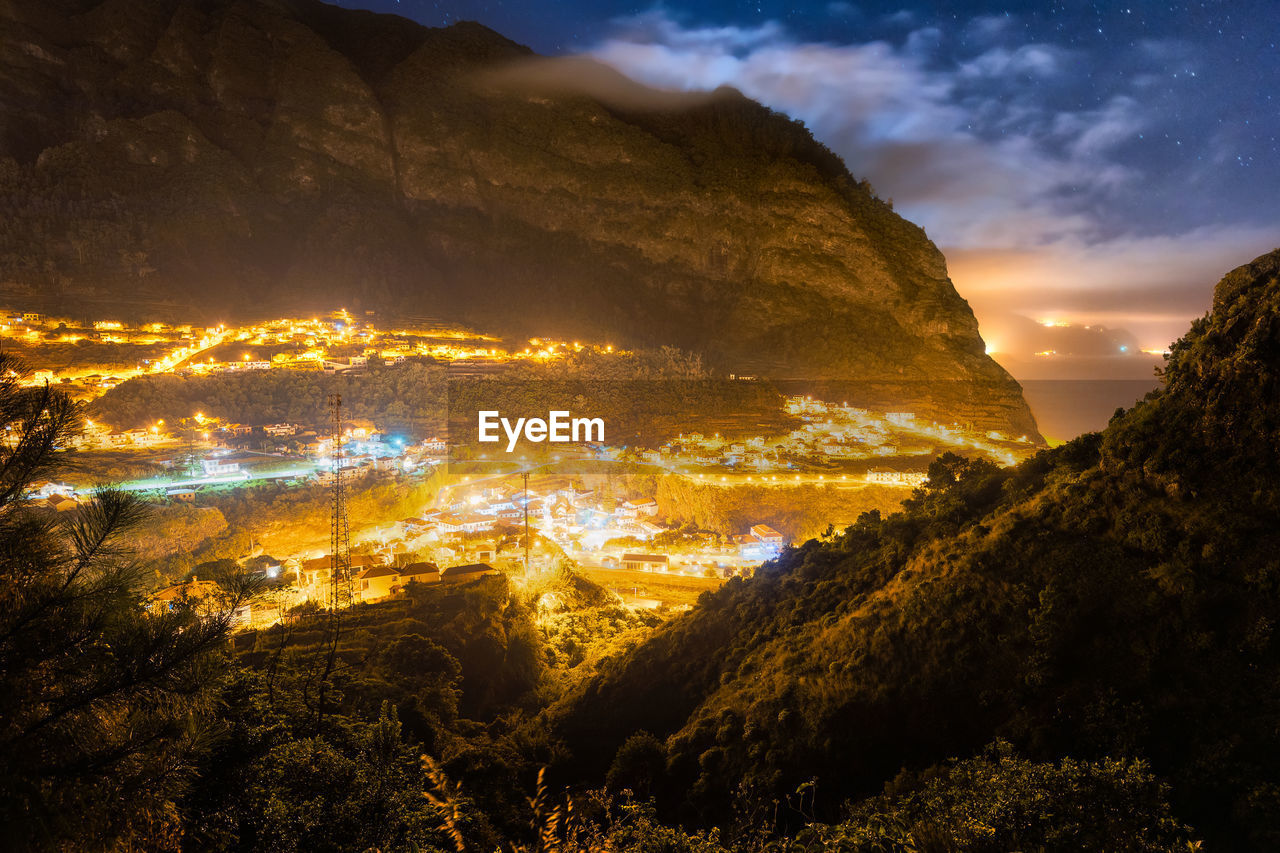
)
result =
(269, 155)
(1117, 596)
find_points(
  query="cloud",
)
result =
(988, 28)
(901, 18)
(990, 147)
(658, 27)
(1092, 132)
(582, 75)
(1151, 285)
(1001, 63)
(841, 9)
(963, 149)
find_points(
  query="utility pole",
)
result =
(525, 476)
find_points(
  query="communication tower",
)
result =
(339, 529)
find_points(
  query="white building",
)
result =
(218, 467)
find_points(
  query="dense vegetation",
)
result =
(322, 721)
(281, 518)
(408, 397)
(101, 705)
(1110, 600)
(799, 512)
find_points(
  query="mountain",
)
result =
(1117, 597)
(275, 156)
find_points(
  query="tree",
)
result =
(1000, 801)
(640, 764)
(100, 700)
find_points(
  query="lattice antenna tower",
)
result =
(339, 528)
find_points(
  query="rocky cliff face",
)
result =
(268, 155)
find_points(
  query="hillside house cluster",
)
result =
(761, 542)
(558, 513)
(896, 478)
(373, 579)
(828, 433)
(55, 497)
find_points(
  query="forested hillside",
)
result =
(1114, 598)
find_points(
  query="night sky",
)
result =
(1094, 163)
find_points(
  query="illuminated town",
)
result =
(195, 458)
(86, 358)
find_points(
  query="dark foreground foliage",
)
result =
(1112, 599)
(100, 703)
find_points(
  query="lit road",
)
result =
(238, 479)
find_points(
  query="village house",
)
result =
(60, 503)
(46, 489)
(421, 572)
(648, 507)
(352, 363)
(646, 562)
(414, 526)
(469, 523)
(473, 522)
(141, 437)
(219, 467)
(318, 571)
(449, 523)
(896, 478)
(171, 597)
(644, 529)
(469, 572)
(767, 536)
(376, 582)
